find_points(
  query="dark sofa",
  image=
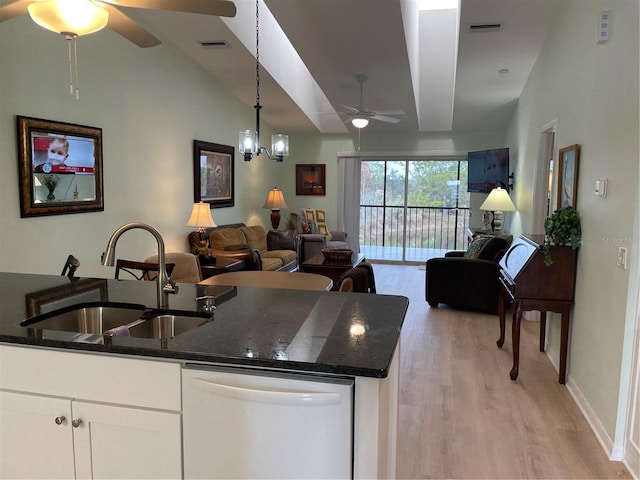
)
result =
(467, 282)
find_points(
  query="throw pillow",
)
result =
(321, 220)
(476, 246)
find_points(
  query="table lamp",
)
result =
(201, 218)
(275, 202)
(497, 202)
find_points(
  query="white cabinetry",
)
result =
(67, 415)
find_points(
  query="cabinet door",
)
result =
(122, 442)
(32, 444)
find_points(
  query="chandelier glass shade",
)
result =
(76, 17)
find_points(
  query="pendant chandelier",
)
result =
(249, 140)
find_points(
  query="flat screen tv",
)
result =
(487, 169)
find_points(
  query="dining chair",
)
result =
(140, 270)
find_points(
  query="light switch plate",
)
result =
(601, 187)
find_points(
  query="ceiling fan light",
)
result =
(80, 17)
(360, 122)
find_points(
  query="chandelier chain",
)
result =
(257, 53)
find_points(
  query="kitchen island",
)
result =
(313, 337)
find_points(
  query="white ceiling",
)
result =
(411, 58)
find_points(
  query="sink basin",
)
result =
(167, 324)
(100, 318)
(91, 318)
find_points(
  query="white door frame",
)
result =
(546, 149)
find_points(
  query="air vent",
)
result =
(215, 44)
(484, 27)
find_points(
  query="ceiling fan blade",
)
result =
(220, 8)
(389, 112)
(352, 110)
(129, 29)
(382, 118)
(14, 9)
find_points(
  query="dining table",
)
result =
(269, 279)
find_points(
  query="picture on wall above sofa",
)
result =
(213, 180)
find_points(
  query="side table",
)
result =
(330, 268)
(221, 265)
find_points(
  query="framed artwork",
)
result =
(59, 167)
(311, 179)
(213, 174)
(568, 176)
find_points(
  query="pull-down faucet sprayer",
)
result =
(165, 285)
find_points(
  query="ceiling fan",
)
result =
(73, 18)
(359, 116)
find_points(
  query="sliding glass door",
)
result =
(411, 210)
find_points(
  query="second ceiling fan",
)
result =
(359, 116)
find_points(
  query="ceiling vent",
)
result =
(215, 44)
(484, 27)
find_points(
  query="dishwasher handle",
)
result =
(267, 395)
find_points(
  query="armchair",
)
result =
(310, 244)
(467, 280)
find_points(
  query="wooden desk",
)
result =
(531, 285)
(264, 279)
(330, 268)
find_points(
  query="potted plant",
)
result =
(562, 228)
(51, 183)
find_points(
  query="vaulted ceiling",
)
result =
(448, 69)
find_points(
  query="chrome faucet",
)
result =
(165, 285)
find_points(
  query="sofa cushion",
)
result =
(281, 240)
(493, 249)
(256, 237)
(285, 256)
(271, 264)
(476, 246)
(222, 237)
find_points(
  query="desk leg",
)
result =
(564, 341)
(543, 329)
(515, 338)
(502, 300)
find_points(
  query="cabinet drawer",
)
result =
(110, 379)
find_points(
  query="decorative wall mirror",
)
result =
(59, 166)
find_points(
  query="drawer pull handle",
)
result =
(60, 419)
(76, 423)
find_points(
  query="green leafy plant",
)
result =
(50, 182)
(563, 227)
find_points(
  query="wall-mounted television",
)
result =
(487, 169)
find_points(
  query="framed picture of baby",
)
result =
(60, 167)
(213, 174)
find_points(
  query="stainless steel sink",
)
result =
(101, 318)
(167, 324)
(92, 318)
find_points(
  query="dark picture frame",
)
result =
(568, 158)
(311, 179)
(59, 167)
(213, 174)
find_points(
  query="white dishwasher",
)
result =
(245, 423)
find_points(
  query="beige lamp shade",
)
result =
(275, 200)
(79, 17)
(201, 216)
(498, 200)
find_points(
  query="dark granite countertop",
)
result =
(325, 332)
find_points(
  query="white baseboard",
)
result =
(632, 459)
(614, 452)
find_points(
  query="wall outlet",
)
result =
(622, 258)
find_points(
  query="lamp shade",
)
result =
(201, 216)
(498, 201)
(275, 200)
(79, 17)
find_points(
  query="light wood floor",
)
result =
(460, 414)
